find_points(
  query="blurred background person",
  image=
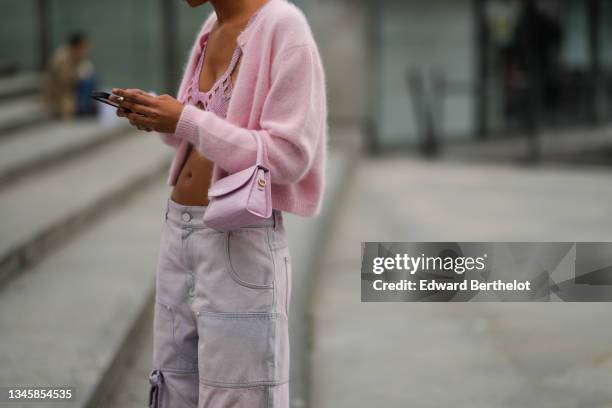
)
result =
(71, 78)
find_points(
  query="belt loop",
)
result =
(167, 208)
(276, 220)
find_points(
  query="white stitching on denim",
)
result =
(222, 384)
(274, 270)
(178, 370)
(273, 316)
(287, 285)
(239, 315)
(234, 274)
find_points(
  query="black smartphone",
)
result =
(104, 97)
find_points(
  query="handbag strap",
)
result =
(260, 149)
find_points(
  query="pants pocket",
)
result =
(249, 257)
(243, 349)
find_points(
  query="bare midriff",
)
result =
(192, 185)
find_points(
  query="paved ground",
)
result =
(461, 355)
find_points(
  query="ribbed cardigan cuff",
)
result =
(187, 126)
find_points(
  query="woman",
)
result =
(221, 330)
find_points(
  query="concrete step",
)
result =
(129, 387)
(35, 148)
(20, 112)
(41, 212)
(24, 83)
(66, 321)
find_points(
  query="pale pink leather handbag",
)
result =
(242, 198)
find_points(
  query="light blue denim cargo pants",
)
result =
(221, 331)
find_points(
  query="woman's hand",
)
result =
(148, 112)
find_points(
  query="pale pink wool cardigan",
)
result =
(279, 93)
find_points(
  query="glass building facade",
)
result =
(129, 38)
(483, 68)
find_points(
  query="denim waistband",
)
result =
(192, 216)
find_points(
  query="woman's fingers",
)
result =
(136, 96)
(134, 100)
(141, 122)
(136, 108)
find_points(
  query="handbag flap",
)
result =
(232, 182)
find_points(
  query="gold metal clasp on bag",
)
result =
(261, 182)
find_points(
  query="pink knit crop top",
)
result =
(217, 99)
